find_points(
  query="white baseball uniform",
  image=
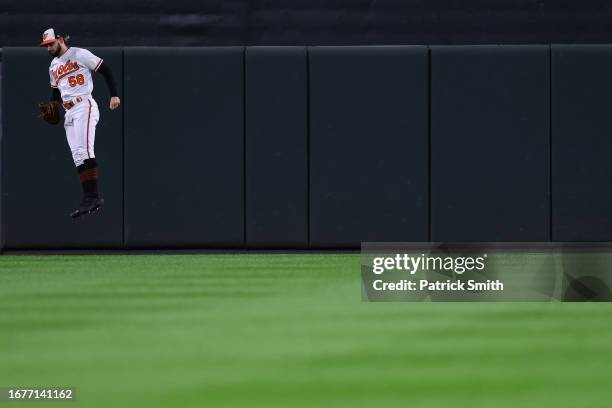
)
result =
(71, 74)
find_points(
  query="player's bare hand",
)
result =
(115, 102)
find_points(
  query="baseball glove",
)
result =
(49, 111)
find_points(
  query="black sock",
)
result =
(88, 173)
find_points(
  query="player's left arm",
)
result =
(96, 64)
(106, 72)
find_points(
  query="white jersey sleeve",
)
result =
(88, 59)
(52, 79)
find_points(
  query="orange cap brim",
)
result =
(46, 42)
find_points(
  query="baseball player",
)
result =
(70, 74)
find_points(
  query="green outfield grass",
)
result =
(282, 331)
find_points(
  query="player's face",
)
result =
(54, 48)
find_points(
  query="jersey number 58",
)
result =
(78, 80)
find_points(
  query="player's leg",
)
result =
(94, 117)
(86, 158)
(82, 147)
(73, 139)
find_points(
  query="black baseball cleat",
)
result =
(88, 205)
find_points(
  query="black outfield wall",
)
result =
(318, 147)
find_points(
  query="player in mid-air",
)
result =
(70, 73)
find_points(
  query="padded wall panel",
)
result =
(490, 143)
(184, 147)
(582, 146)
(369, 145)
(276, 147)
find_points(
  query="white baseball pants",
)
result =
(80, 123)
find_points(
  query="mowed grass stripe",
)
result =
(283, 330)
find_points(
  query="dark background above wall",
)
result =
(307, 22)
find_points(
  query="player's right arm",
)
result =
(50, 111)
(55, 92)
(55, 95)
